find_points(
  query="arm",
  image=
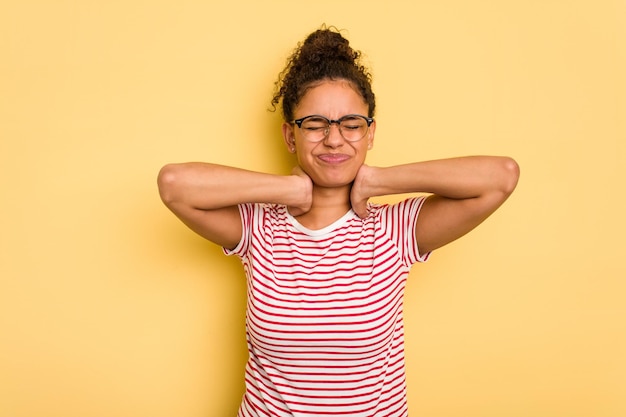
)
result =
(465, 191)
(205, 196)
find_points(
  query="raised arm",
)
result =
(205, 196)
(465, 191)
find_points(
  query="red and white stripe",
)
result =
(324, 317)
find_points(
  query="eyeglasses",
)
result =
(353, 127)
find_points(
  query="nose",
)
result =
(333, 135)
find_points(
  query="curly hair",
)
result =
(324, 54)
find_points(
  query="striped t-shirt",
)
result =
(324, 321)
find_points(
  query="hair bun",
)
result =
(325, 45)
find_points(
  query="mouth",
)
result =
(333, 158)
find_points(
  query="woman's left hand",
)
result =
(359, 195)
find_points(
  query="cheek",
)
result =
(303, 157)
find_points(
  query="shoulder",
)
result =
(261, 215)
(263, 208)
(407, 207)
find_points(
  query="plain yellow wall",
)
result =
(110, 307)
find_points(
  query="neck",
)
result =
(329, 205)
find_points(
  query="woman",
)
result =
(326, 270)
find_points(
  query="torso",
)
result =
(324, 319)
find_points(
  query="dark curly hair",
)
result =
(324, 54)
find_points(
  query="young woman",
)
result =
(325, 269)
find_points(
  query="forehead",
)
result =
(333, 99)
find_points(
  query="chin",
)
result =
(331, 177)
(333, 182)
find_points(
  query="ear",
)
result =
(370, 135)
(289, 137)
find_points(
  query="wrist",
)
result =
(298, 190)
(366, 181)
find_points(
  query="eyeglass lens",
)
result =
(352, 128)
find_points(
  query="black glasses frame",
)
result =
(368, 120)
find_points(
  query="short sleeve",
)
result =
(399, 221)
(246, 212)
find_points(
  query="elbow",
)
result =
(510, 172)
(167, 183)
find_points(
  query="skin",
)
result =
(331, 177)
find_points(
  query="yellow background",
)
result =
(110, 307)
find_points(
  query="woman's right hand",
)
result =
(304, 199)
